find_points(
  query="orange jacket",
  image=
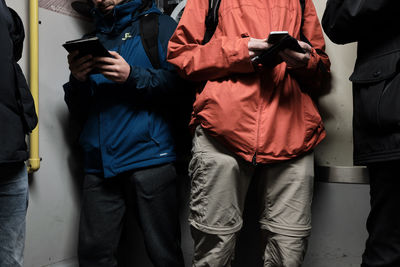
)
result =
(261, 115)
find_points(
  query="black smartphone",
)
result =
(276, 36)
(284, 40)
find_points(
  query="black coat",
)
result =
(17, 112)
(376, 77)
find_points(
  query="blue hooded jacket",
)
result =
(125, 126)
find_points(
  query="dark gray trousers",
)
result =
(383, 224)
(104, 208)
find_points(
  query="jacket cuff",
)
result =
(75, 83)
(313, 61)
(131, 81)
(239, 57)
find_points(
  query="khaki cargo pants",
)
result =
(220, 181)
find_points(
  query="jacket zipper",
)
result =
(254, 160)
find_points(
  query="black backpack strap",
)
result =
(302, 36)
(211, 19)
(303, 5)
(149, 37)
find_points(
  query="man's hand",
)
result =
(256, 46)
(113, 68)
(294, 59)
(80, 67)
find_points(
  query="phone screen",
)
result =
(276, 36)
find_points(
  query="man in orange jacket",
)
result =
(251, 121)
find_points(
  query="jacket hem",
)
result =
(137, 165)
(377, 157)
(262, 158)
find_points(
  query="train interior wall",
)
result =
(339, 209)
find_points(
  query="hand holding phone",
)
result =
(280, 40)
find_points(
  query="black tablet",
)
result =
(87, 46)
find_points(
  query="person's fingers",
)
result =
(79, 67)
(293, 58)
(306, 47)
(115, 54)
(73, 60)
(105, 60)
(72, 55)
(258, 44)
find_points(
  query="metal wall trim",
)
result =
(342, 174)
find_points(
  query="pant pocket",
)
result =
(376, 104)
(376, 92)
(388, 106)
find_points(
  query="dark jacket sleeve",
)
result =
(157, 83)
(153, 83)
(77, 97)
(346, 21)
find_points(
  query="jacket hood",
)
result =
(17, 34)
(122, 15)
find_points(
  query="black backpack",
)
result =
(178, 106)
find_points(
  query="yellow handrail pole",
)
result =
(34, 159)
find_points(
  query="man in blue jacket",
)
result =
(126, 138)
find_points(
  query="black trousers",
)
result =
(383, 224)
(103, 212)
